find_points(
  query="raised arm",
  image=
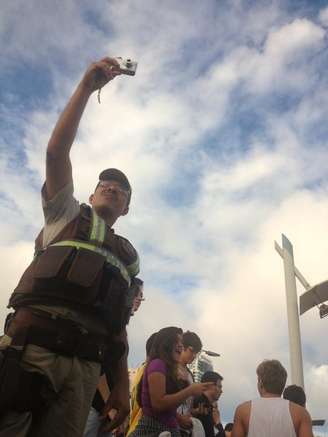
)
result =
(58, 164)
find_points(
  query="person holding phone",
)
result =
(203, 408)
(159, 391)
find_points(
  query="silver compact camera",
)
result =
(127, 66)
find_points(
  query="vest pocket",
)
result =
(85, 268)
(51, 261)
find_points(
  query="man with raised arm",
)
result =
(270, 415)
(74, 300)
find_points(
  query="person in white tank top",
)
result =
(270, 415)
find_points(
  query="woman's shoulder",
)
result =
(156, 365)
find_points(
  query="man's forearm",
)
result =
(121, 371)
(66, 127)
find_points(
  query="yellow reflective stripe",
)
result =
(93, 226)
(133, 268)
(98, 230)
(110, 258)
(102, 231)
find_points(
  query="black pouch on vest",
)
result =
(84, 276)
(112, 300)
(51, 261)
(69, 273)
(85, 268)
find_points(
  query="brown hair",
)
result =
(191, 339)
(272, 375)
(295, 394)
(162, 347)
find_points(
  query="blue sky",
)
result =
(223, 134)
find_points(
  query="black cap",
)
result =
(113, 174)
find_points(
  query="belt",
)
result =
(59, 335)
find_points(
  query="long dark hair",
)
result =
(162, 348)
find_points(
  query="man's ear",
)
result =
(91, 198)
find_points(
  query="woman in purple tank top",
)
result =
(159, 391)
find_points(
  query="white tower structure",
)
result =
(200, 365)
(295, 347)
(313, 296)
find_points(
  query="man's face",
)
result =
(215, 391)
(189, 354)
(110, 197)
(260, 387)
(177, 349)
(138, 299)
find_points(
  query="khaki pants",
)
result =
(74, 381)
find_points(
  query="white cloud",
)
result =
(293, 38)
(323, 16)
(14, 258)
(252, 170)
(277, 66)
(34, 34)
(318, 378)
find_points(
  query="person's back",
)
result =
(270, 417)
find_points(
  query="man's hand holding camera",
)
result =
(100, 73)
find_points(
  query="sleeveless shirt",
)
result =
(270, 417)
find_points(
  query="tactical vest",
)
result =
(87, 267)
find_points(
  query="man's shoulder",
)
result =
(128, 254)
(298, 412)
(243, 409)
(301, 419)
(244, 405)
(126, 246)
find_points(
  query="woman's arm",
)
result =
(161, 401)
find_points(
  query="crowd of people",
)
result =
(165, 399)
(63, 355)
(164, 396)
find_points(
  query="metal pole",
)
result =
(295, 348)
(298, 274)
